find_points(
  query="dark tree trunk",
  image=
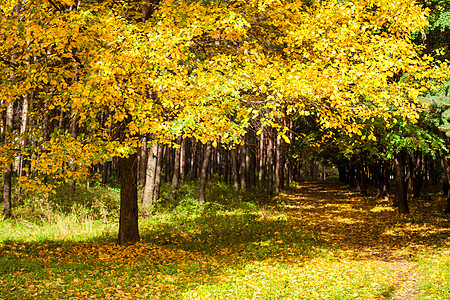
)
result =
(261, 156)
(416, 171)
(183, 159)
(128, 222)
(401, 183)
(106, 172)
(270, 166)
(351, 174)
(203, 172)
(234, 166)
(169, 159)
(342, 173)
(243, 169)
(383, 179)
(143, 159)
(362, 179)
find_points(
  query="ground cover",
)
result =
(318, 241)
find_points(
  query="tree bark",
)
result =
(234, 167)
(7, 184)
(128, 221)
(159, 163)
(278, 166)
(243, 169)
(143, 159)
(147, 196)
(176, 172)
(270, 166)
(261, 172)
(183, 160)
(416, 171)
(203, 173)
(73, 132)
(401, 192)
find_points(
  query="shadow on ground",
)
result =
(367, 225)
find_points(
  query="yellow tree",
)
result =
(196, 69)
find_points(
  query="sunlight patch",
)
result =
(382, 209)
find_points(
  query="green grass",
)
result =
(236, 247)
(434, 269)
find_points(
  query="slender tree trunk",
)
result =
(446, 175)
(143, 159)
(234, 166)
(362, 178)
(416, 171)
(159, 163)
(203, 173)
(106, 172)
(243, 169)
(270, 166)
(183, 160)
(278, 167)
(261, 156)
(128, 222)
(384, 179)
(176, 172)
(73, 132)
(23, 127)
(7, 184)
(401, 192)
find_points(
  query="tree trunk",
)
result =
(176, 172)
(159, 163)
(416, 171)
(183, 159)
(261, 156)
(401, 192)
(147, 196)
(234, 166)
(203, 173)
(143, 159)
(128, 222)
(278, 166)
(270, 166)
(7, 172)
(384, 179)
(243, 169)
(73, 132)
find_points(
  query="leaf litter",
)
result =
(320, 241)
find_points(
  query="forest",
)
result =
(158, 127)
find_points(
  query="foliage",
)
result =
(199, 69)
(321, 241)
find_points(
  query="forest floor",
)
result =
(319, 240)
(370, 229)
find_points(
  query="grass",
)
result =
(237, 247)
(434, 268)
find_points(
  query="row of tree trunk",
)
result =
(411, 171)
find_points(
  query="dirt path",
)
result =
(366, 228)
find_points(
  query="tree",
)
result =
(198, 69)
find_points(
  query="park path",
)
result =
(367, 228)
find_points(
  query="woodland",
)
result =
(211, 144)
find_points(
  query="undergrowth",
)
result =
(239, 245)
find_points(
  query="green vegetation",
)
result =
(233, 248)
(434, 268)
